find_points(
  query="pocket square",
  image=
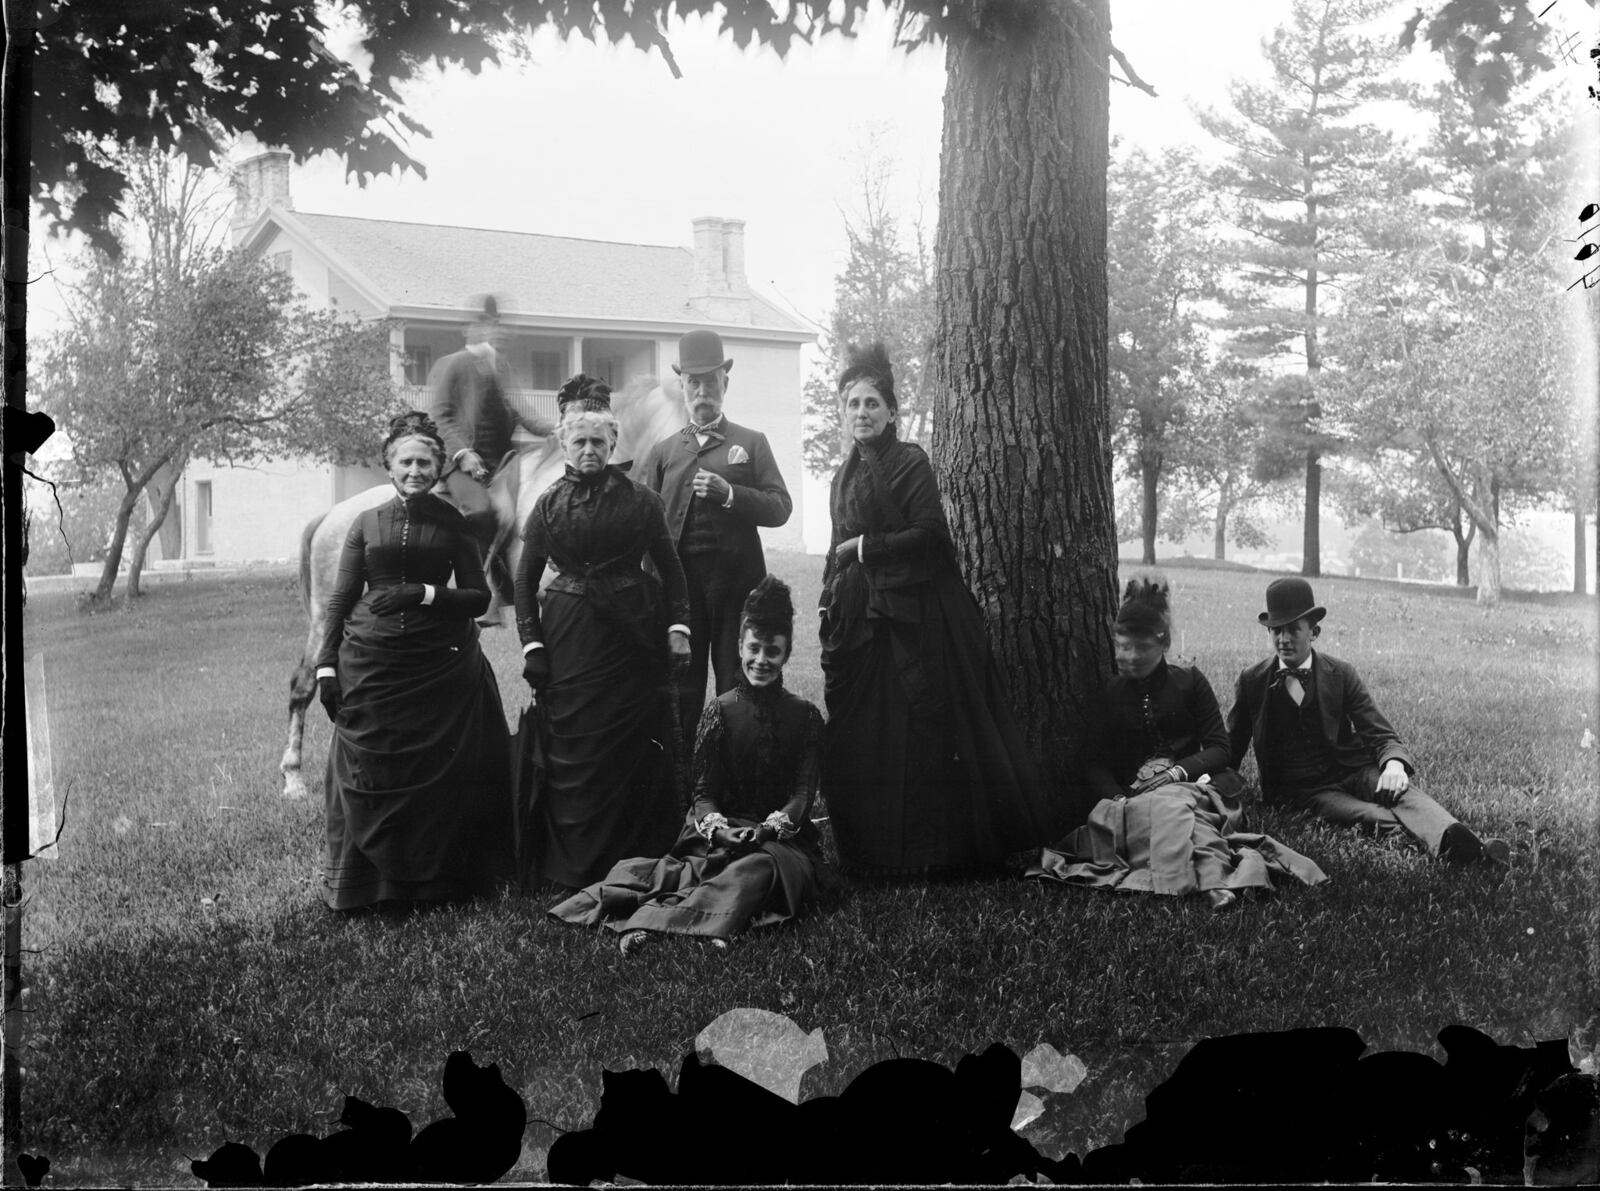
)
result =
(737, 454)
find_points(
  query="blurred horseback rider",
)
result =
(471, 404)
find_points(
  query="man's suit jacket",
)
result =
(1351, 722)
(457, 386)
(759, 494)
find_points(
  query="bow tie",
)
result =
(1302, 674)
(710, 431)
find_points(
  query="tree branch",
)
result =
(1133, 79)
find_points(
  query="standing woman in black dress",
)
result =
(418, 788)
(924, 769)
(598, 647)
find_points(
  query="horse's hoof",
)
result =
(293, 786)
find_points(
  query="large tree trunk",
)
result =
(1021, 424)
(1311, 543)
(1149, 479)
(1219, 534)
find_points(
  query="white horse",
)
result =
(647, 414)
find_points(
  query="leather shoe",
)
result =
(1459, 845)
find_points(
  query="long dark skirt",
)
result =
(608, 767)
(924, 766)
(418, 794)
(696, 890)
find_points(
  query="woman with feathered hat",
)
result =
(748, 854)
(925, 770)
(1168, 819)
(597, 648)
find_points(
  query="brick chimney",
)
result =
(720, 293)
(259, 181)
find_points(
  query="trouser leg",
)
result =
(484, 514)
(1351, 803)
(691, 679)
(726, 609)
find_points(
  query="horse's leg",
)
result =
(302, 686)
(303, 681)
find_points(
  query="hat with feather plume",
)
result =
(1145, 610)
(769, 609)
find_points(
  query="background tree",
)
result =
(229, 366)
(1305, 170)
(1219, 479)
(1487, 181)
(1405, 493)
(1160, 263)
(885, 291)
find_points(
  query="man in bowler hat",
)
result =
(1323, 747)
(470, 403)
(719, 482)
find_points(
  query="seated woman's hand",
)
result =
(536, 669)
(735, 839)
(396, 598)
(328, 692)
(678, 648)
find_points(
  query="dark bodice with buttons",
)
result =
(421, 540)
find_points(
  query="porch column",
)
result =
(574, 356)
(397, 353)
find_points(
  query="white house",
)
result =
(609, 309)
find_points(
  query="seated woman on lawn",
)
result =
(749, 853)
(418, 787)
(1169, 815)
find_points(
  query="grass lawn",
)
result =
(188, 987)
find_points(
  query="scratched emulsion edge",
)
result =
(15, 798)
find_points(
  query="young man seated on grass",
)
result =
(1323, 747)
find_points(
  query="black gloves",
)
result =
(397, 598)
(328, 692)
(536, 669)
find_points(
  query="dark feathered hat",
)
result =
(870, 363)
(414, 423)
(584, 392)
(1145, 610)
(769, 610)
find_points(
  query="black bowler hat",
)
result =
(700, 351)
(1288, 600)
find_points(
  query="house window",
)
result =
(202, 517)
(282, 261)
(419, 361)
(545, 369)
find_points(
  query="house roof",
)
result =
(422, 264)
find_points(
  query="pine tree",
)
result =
(1305, 170)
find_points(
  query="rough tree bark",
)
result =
(1020, 435)
(1219, 534)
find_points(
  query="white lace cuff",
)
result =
(780, 823)
(708, 826)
